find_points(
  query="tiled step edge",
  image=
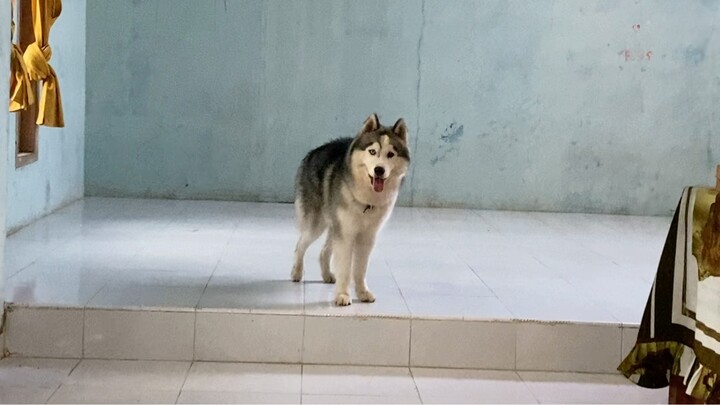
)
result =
(310, 339)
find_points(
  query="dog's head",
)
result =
(380, 154)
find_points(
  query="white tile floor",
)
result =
(116, 381)
(429, 263)
(229, 261)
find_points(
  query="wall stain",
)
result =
(453, 133)
(48, 190)
(711, 4)
(694, 55)
(449, 140)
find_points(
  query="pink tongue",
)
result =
(378, 184)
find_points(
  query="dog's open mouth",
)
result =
(378, 183)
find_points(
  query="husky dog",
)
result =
(349, 187)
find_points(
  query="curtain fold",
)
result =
(21, 96)
(37, 57)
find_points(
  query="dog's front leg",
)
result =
(361, 256)
(342, 259)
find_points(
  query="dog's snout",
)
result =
(379, 170)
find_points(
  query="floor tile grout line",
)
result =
(187, 374)
(494, 294)
(46, 253)
(302, 376)
(527, 386)
(302, 343)
(194, 343)
(82, 332)
(407, 305)
(53, 393)
(417, 390)
(25, 267)
(101, 289)
(207, 283)
(515, 351)
(410, 342)
(63, 382)
(75, 367)
(478, 214)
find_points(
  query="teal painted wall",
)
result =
(57, 178)
(4, 120)
(599, 106)
(221, 99)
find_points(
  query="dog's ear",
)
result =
(400, 129)
(371, 124)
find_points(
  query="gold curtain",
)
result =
(37, 57)
(21, 97)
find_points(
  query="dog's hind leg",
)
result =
(361, 256)
(325, 255)
(310, 230)
(307, 237)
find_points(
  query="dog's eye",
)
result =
(372, 151)
(390, 155)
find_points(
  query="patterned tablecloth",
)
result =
(680, 329)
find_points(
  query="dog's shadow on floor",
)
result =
(265, 295)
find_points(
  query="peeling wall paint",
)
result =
(593, 107)
(449, 141)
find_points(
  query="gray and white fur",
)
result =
(349, 187)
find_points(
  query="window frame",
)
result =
(26, 128)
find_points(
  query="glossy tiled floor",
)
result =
(114, 381)
(186, 255)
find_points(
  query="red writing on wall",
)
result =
(635, 56)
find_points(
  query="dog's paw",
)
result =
(343, 300)
(296, 274)
(366, 296)
(329, 278)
